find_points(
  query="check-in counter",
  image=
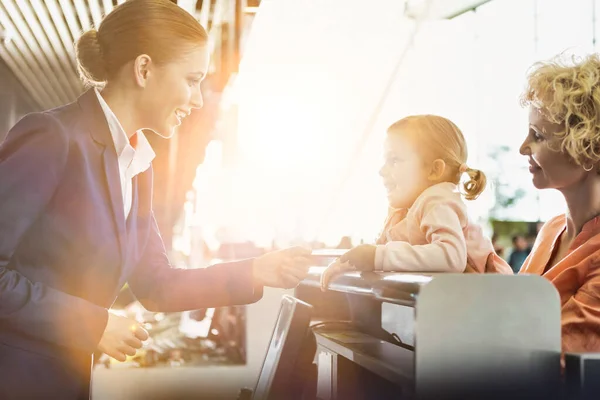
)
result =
(434, 336)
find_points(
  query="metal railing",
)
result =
(392, 287)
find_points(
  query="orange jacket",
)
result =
(577, 279)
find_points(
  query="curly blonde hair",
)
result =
(566, 91)
(439, 137)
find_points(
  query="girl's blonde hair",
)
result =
(566, 91)
(439, 138)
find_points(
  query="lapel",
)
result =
(585, 244)
(138, 223)
(98, 128)
(132, 257)
(544, 247)
(144, 193)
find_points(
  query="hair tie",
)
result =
(463, 168)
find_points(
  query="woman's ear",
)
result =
(437, 170)
(141, 69)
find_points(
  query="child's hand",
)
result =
(362, 257)
(333, 269)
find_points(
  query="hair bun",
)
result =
(90, 61)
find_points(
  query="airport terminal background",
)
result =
(287, 147)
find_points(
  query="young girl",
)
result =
(428, 228)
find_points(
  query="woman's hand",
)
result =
(122, 337)
(335, 268)
(282, 268)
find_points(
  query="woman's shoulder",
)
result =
(38, 142)
(43, 125)
(55, 119)
(68, 115)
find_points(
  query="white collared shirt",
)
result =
(131, 161)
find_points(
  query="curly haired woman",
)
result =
(563, 147)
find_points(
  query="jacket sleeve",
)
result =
(161, 287)
(580, 316)
(32, 161)
(441, 221)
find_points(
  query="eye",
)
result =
(393, 160)
(538, 137)
(194, 82)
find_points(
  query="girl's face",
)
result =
(405, 173)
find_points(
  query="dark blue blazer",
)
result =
(66, 250)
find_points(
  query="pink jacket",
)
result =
(435, 235)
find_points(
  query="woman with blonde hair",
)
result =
(428, 228)
(563, 148)
(76, 211)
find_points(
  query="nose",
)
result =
(382, 171)
(196, 100)
(525, 148)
